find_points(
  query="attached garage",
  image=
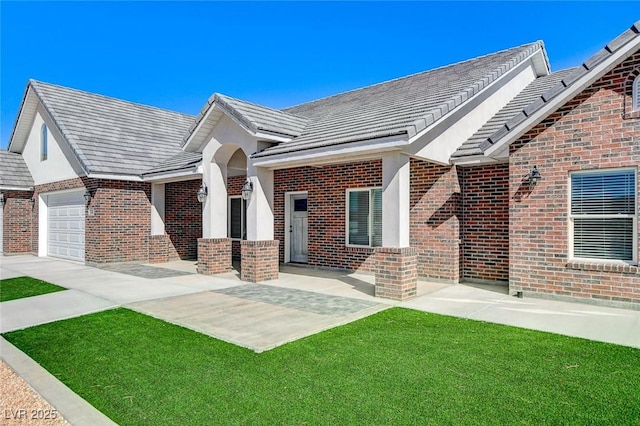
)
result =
(65, 225)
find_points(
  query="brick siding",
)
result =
(435, 220)
(589, 132)
(485, 222)
(326, 188)
(259, 261)
(18, 231)
(214, 255)
(183, 218)
(396, 272)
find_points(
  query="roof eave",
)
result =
(506, 136)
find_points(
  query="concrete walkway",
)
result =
(301, 302)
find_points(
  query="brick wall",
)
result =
(485, 222)
(435, 220)
(326, 188)
(119, 229)
(589, 132)
(18, 231)
(183, 218)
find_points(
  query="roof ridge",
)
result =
(281, 111)
(99, 95)
(538, 42)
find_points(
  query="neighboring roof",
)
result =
(180, 161)
(570, 85)
(108, 135)
(404, 106)
(528, 95)
(14, 172)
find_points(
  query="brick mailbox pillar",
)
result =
(214, 255)
(260, 260)
(396, 272)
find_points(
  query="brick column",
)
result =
(260, 261)
(159, 248)
(396, 272)
(214, 255)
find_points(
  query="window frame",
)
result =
(635, 94)
(243, 217)
(370, 217)
(571, 217)
(44, 142)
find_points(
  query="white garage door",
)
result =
(66, 225)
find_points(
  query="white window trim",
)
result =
(346, 216)
(635, 94)
(242, 217)
(571, 217)
(44, 142)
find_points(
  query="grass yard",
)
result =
(396, 367)
(21, 287)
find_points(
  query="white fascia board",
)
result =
(15, 188)
(476, 160)
(26, 113)
(550, 107)
(131, 178)
(174, 176)
(196, 131)
(331, 154)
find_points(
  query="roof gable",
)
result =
(563, 91)
(108, 135)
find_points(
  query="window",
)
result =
(603, 217)
(237, 223)
(364, 217)
(43, 142)
(635, 93)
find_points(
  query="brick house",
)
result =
(489, 170)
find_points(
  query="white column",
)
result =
(157, 209)
(214, 215)
(260, 206)
(395, 200)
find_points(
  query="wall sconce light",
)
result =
(534, 176)
(1, 199)
(247, 189)
(32, 201)
(202, 193)
(87, 198)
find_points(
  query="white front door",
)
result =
(66, 225)
(299, 228)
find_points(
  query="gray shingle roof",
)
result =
(528, 95)
(180, 161)
(566, 83)
(13, 171)
(113, 136)
(403, 106)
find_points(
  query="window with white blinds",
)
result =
(237, 223)
(603, 217)
(364, 217)
(635, 92)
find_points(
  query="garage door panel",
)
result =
(66, 225)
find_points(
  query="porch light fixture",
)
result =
(32, 201)
(87, 198)
(202, 193)
(1, 199)
(534, 176)
(247, 189)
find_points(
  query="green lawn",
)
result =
(396, 367)
(20, 287)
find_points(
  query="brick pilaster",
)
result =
(214, 255)
(259, 260)
(396, 272)
(159, 248)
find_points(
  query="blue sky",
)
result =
(174, 55)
